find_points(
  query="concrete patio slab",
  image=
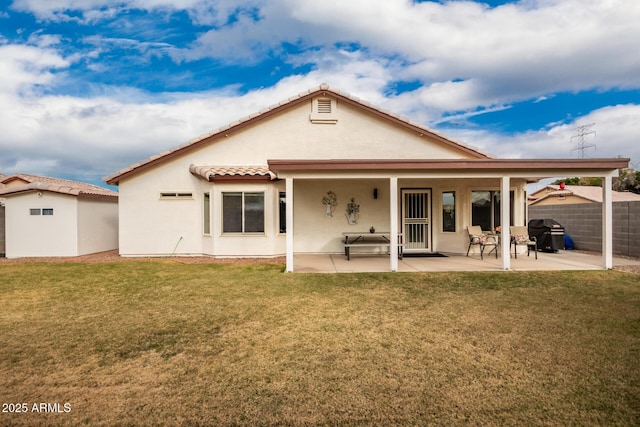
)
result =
(562, 260)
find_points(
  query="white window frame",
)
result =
(243, 212)
(455, 211)
(206, 213)
(176, 195)
(282, 195)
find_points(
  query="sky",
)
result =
(89, 87)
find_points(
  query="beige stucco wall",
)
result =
(314, 233)
(41, 235)
(150, 225)
(77, 226)
(291, 135)
(177, 226)
(97, 225)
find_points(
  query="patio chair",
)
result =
(480, 238)
(520, 236)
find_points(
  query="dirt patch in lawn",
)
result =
(113, 256)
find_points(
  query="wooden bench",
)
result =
(364, 240)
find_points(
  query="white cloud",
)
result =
(513, 52)
(616, 127)
(466, 54)
(24, 67)
(204, 12)
(469, 58)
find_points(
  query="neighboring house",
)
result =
(56, 217)
(575, 194)
(279, 183)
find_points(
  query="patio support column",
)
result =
(289, 234)
(607, 223)
(505, 206)
(393, 218)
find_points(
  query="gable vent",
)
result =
(324, 106)
(323, 110)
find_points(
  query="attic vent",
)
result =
(323, 110)
(324, 106)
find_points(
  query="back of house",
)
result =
(260, 187)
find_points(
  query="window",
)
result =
(173, 195)
(206, 214)
(485, 210)
(242, 212)
(282, 210)
(449, 211)
(45, 211)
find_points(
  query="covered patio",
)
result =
(433, 177)
(562, 260)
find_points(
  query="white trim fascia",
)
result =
(289, 221)
(393, 219)
(607, 223)
(505, 207)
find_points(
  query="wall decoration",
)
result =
(353, 212)
(330, 201)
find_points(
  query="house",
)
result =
(280, 182)
(575, 194)
(48, 217)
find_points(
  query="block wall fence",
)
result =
(583, 223)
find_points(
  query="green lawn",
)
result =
(164, 343)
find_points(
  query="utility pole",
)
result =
(583, 131)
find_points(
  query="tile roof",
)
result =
(294, 100)
(56, 185)
(591, 193)
(211, 172)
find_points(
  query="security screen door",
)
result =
(416, 224)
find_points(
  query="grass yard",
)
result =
(164, 343)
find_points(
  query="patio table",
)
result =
(369, 239)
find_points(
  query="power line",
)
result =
(582, 132)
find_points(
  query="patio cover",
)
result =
(504, 169)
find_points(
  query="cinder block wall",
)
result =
(2, 233)
(583, 223)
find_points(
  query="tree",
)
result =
(627, 180)
(585, 181)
